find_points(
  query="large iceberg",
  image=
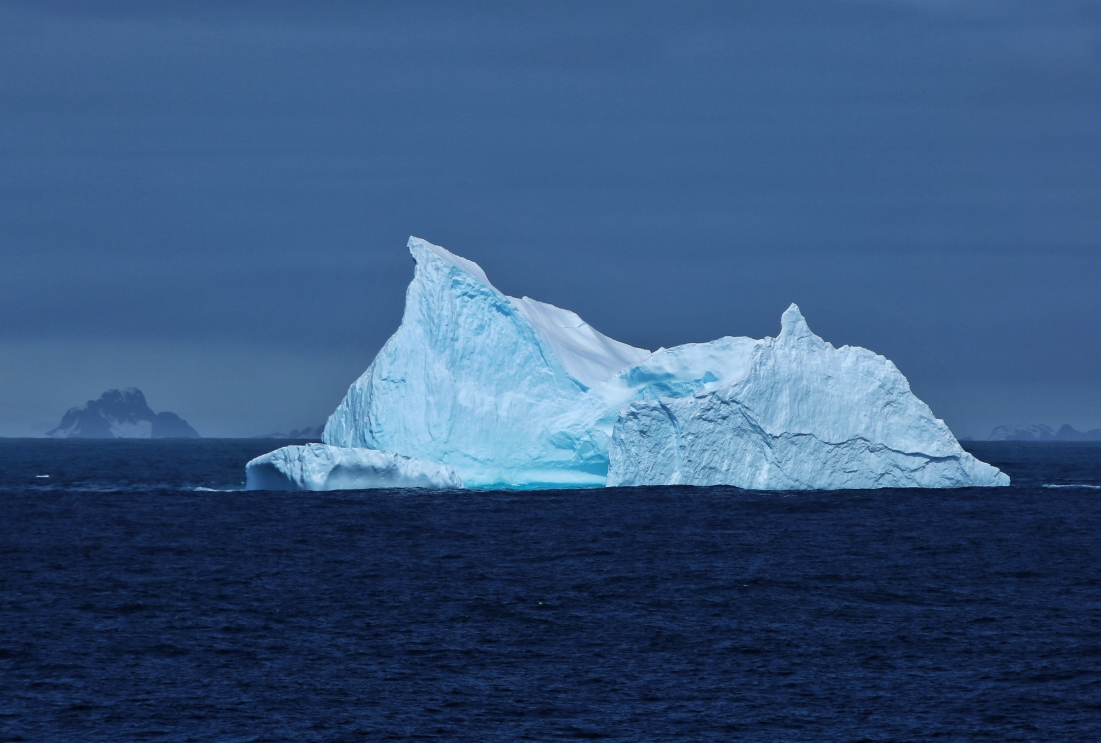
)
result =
(515, 393)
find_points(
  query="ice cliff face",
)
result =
(506, 392)
(495, 387)
(802, 415)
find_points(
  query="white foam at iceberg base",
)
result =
(321, 467)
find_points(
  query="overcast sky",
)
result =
(210, 200)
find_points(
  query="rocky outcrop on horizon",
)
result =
(1040, 432)
(121, 414)
(305, 434)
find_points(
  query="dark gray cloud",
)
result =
(923, 177)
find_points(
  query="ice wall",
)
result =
(804, 415)
(469, 382)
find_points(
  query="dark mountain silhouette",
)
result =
(1040, 432)
(1066, 433)
(121, 414)
(303, 433)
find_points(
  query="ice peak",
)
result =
(422, 248)
(793, 326)
(586, 354)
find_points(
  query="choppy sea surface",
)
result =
(144, 597)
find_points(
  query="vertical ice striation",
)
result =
(805, 415)
(469, 382)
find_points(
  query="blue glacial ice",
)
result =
(800, 414)
(499, 389)
(514, 393)
(320, 467)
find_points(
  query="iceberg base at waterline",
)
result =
(487, 391)
(321, 467)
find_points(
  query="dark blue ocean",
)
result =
(141, 599)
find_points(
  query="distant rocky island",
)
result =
(1040, 432)
(121, 414)
(309, 433)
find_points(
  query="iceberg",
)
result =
(500, 392)
(799, 415)
(320, 467)
(500, 389)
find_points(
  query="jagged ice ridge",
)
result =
(515, 393)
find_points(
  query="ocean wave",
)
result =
(96, 487)
(1082, 485)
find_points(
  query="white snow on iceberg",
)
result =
(515, 393)
(320, 467)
